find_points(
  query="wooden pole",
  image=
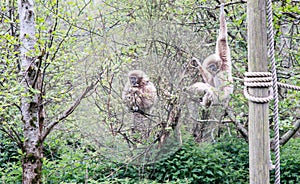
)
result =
(259, 150)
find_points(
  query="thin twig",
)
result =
(67, 112)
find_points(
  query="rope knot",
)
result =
(258, 80)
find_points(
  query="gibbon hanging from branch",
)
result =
(215, 70)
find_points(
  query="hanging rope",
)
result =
(266, 80)
(275, 89)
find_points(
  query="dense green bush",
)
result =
(221, 162)
(10, 161)
(224, 162)
(289, 163)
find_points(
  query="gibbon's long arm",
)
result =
(222, 48)
(216, 70)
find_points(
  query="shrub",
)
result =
(222, 162)
(289, 163)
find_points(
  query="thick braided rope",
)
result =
(275, 89)
(288, 86)
(257, 80)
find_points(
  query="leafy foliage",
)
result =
(289, 163)
(79, 40)
(222, 162)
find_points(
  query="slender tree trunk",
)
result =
(32, 108)
(35, 129)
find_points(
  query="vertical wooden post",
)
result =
(258, 112)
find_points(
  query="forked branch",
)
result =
(69, 111)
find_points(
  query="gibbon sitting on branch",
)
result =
(139, 93)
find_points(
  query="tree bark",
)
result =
(31, 107)
(35, 130)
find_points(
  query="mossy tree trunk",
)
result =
(32, 106)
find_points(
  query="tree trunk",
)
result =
(33, 116)
(31, 107)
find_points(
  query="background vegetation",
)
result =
(80, 41)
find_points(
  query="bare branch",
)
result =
(238, 125)
(232, 3)
(287, 136)
(67, 112)
(12, 134)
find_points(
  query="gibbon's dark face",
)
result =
(213, 68)
(133, 81)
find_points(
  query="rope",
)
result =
(262, 80)
(258, 80)
(288, 86)
(266, 80)
(275, 89)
